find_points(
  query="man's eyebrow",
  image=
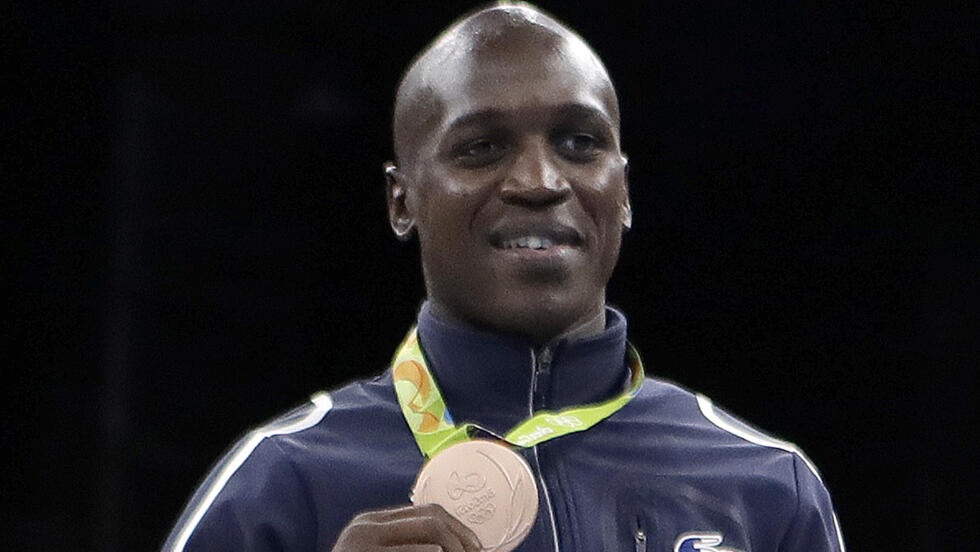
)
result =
(476, 118)
(585, 111)
(571, 110)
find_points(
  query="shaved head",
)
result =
(501, 34)
(509, 172)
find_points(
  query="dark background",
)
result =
(193, 213)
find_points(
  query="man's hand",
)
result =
(425, 528)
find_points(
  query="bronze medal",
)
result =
(485, 485)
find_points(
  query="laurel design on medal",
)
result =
(486, 467)
(518, 506)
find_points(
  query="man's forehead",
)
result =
(505, 54)
(533, 76)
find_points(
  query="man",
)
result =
(509, 172)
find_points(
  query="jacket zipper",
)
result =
(639, 537)
(541, 365)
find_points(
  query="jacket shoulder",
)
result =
(744, 431)
(247, 467)
(266, 479)
(716, 426)
(721, 443)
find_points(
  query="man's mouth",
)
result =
(529, 242)
(538, 237)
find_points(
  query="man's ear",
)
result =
(400, 217)
(625, 209)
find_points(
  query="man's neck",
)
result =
(590, 327)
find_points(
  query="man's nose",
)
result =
(534, 179)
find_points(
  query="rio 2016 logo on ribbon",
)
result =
(700, 542)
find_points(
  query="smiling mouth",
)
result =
(539, 239)
(528, 242)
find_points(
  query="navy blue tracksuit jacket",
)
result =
(668, 472)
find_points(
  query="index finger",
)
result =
(465, 535)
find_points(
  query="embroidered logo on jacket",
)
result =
(704, 542)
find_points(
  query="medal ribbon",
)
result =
(433, 425)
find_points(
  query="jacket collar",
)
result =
(487, 378)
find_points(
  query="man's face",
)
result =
(518, 190)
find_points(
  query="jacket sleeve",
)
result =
(253, 500)
(814, 527)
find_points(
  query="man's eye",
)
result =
(578, 144)
(480, 148)
(478, 153)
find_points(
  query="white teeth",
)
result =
(532, 242)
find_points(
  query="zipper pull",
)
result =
(540, 377)
(640, 540)
(639, 537)
(544, 360)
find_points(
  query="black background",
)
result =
(197, 239)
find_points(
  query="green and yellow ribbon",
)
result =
(433, 426)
